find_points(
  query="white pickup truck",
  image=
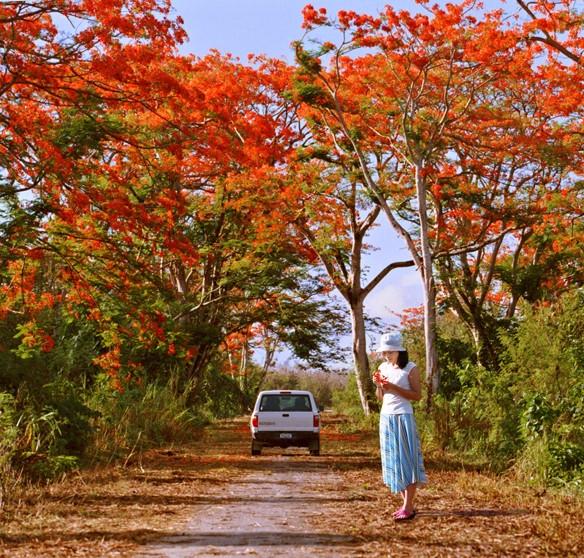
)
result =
(285, 418)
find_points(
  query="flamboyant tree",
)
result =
(100, 51)
(59, 56)
(165, 193)
(531, 151)
(484, 287)
(557, 25)
(165, 220)
(402, 106)
(90, 57)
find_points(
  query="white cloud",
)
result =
(401, 289)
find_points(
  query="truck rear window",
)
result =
(285, 403)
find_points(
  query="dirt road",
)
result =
(269, 512)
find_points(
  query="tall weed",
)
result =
(31, 447)
(140, 417)
(8, 438)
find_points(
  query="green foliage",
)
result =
(529, 414)
(479, 420)
(48, 386)
(8, 439)
(538, 417)
(311, 330)
(311, 94)
(79, 133)
(308, 61)
(544, 358)
(221, 396)
(52, 467)
(32, 443)
(346, 400)
(47, 422)
(282, 379)
(567, 458)
(453, 353)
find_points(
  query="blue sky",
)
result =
(257, 26)
(241, 27)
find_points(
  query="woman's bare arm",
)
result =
(379, 392)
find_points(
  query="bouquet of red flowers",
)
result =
(380, 378)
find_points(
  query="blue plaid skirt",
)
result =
(401, 455)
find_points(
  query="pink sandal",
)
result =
(397, 512)
(403, 515)
(401, 510)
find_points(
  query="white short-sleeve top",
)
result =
(394, 404)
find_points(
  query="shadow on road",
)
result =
(472, 513)
(186, 500)
(259, 538)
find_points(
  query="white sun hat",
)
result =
(390, 342)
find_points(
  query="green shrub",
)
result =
(221, 396)
(32, 444)
(73, 417)
(8, 444)
(346, 401)
(529, 414)
(52, 467)
(479, 421)
(545, 358)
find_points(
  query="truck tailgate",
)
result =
(291, 421)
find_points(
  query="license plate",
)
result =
(286, 435)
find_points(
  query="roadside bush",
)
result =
(8, 439)
(73, 417)
(47, 387)
(479, 420)
(283, 378)
(530, 413)
(221, 396)
(346, 401)
(33, 446)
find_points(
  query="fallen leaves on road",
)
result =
(113, 510)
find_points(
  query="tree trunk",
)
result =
(196, 370)
(486, 353)
(360, 359)
(432, 370)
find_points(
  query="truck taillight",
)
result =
(255, 421)
(316, 421)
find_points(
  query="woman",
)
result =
(398, 382)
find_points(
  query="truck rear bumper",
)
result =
(286, 438)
